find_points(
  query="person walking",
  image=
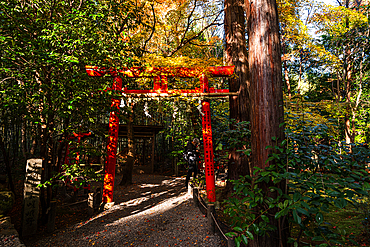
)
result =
(192, 158)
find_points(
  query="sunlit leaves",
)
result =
(336, 21)
(180, 28)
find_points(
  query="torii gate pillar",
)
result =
(110, 164)
(207, 142)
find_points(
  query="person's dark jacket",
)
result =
(193, 154)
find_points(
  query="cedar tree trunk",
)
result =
(266, 95)
(236, 54)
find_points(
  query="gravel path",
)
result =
(155, 211)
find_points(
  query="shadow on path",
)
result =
(155, 211)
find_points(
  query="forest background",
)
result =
(46, 94)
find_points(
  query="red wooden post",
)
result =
(164, 84)
(207, 143)
(157, 84)
(110, 164)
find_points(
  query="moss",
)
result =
(6, 202)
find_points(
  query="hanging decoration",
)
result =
(122, 104)
(146, 112)
(175, 109)
(200, 107)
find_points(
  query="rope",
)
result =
(200, 201)
(214, 219)
(219, 228)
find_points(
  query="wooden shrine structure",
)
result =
(143, 132)
(160, 89)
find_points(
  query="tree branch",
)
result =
(186, 41)
(189, 21)
(153, 29)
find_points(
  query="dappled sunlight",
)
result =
(172, 182)
(137, 201)
(148, 185)
(141, 199)
(156, 210)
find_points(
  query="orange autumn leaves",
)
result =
(175, 29)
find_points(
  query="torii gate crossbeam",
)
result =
(160, 75)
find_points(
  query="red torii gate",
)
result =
(160, 75)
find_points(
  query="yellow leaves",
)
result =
(338, 20)
(293, 28)
(298, 110)
(153, 60)
(320, 51)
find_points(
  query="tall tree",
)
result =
(345, 35)
(266, 99)
(236, 54)
(45, 46)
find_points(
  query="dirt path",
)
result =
(154, 211)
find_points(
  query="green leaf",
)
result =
(281, 213)
(366, 186)
(340, 203)
(302, 211)
(297, 196)
(318, 238)
(238, 229)
(245, 240)
(286, 202)
(296, 217)
(265, 218)
(231, 234)
(269, 159)
(305, 204)
(319, 218)
(237, 241)
(308, 233)
(324, 245)
(249, 234)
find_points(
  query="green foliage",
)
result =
(226, 139)
(75, 174)
(44, 85)
(320, 173)
(183, 124)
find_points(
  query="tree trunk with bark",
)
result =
(236, 54)
(24, 137)
(347, 75)
(267, 113)
(46, 145)
(7, 164)
(286, 72)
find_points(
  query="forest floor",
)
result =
(155, 210)
(146, 193)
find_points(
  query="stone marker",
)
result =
(30, 209)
